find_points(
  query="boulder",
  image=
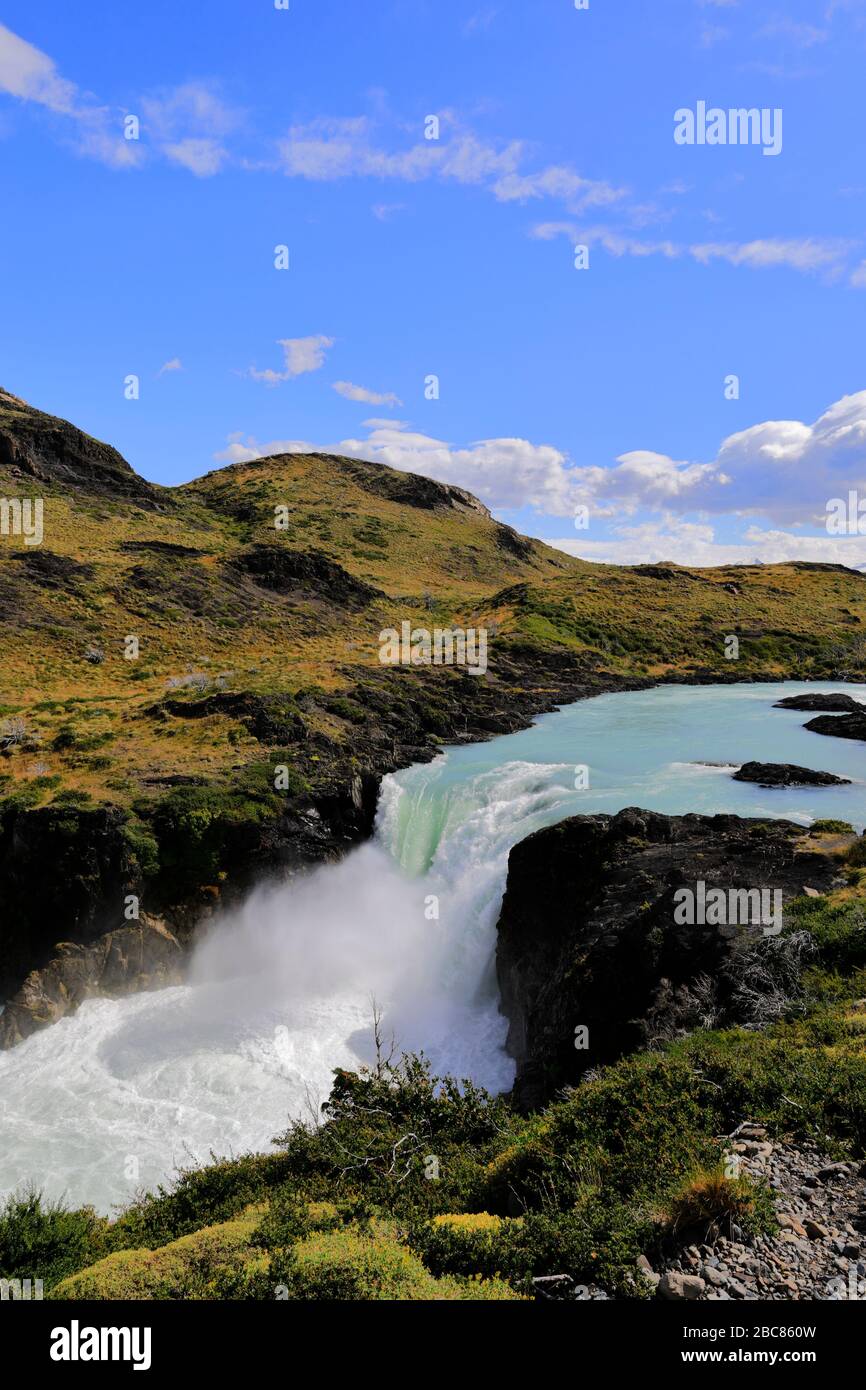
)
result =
(840, 725)
(787, 775)
(826, 704)
(680, 1287)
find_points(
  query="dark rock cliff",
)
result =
(587, 934)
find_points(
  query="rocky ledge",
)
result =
(141, 955)
(787, 775)
(594, 959)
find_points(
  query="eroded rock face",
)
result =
(588, 936)
(787, 775)
(305, 572)
(48, 450)
(140, 955)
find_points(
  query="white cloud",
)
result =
(174, 364)
(192, 108)
(826, 255)
(350, 392)
(32, 76)
(858, 276)
(331, 148)
(29, 74)
(188, 124)
(300, 355)
(693, 544)
(241, 449)
(557, 181)
(202, 157)
(784, 470)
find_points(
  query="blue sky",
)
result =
(559, 389)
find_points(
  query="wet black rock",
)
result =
(840, 725)
(826, 704)
(787, 775)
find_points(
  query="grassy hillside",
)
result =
(195, 574)
(214, 595)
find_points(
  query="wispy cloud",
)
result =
(189, 124)
(800, 34)
(331, 148)
(30, 75)
(350, 392)
(479, 22)
(383, 212)
(711, 34)
(827, 255)
(174, 364)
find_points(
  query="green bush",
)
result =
(187, 1268)
(43, 1240)
(200, 829)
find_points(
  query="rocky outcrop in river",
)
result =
(840, 725)
(787, 775)
(826, 704)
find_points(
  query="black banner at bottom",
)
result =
(82, 1339)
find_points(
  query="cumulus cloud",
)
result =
(189, 123)
(351, 392)
(784, 470)
(690, 543)
(242, 448)
(300, 355)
